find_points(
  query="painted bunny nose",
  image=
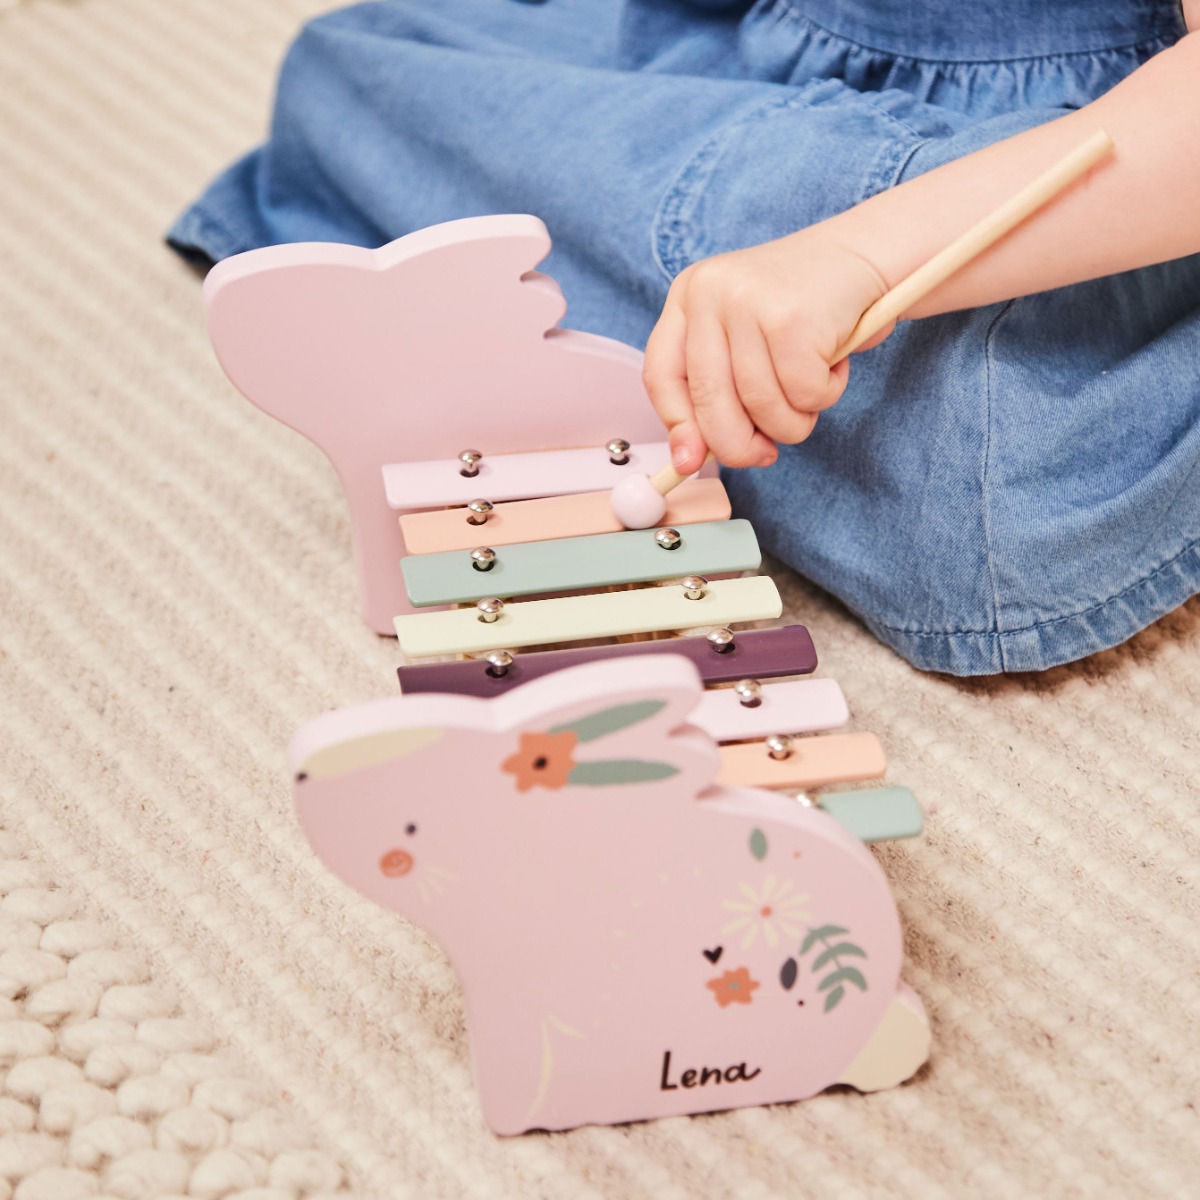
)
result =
(396, 862)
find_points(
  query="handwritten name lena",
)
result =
(691, 1078)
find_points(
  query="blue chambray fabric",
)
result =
(1001, 489)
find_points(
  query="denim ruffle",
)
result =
(983, 89)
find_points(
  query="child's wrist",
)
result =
(866, 232)
(862, 280)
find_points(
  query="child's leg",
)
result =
(976, 496)
(393, 117)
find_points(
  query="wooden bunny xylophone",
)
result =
(639, 927)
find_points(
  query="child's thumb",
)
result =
(688, 450)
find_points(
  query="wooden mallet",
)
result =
(639, 500)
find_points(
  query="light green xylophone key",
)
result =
(574, 618)
(876, 814)
(580, 563)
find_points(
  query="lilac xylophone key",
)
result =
(753, 654)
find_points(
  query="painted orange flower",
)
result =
(543, 760)
(734, 987)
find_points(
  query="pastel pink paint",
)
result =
(578, 917)
(438, 342)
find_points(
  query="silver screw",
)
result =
(779, 746)
(490, 609)
(668, 539)
(498, 663)
(470, 463)
(618, 452)
(483, 558)
(693, 586)
(721, 640)
(749, 692)
(479, 511)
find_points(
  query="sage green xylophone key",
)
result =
(580, 563)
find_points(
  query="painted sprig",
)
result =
(834, 983)
(546, 759)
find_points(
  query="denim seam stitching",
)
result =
(667, 226)
(668, 220)
(985, 475)
(1189, 548)
(791, 14)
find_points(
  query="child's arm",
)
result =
(739, 358)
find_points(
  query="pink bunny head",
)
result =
(627, 932)
(530, 777)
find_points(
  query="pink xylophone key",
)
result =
(516, 476)
(752, 710)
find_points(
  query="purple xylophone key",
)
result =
(753, 654)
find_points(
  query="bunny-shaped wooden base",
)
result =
(632, 940)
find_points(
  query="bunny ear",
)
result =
(611, 719)
(610, 772)
(353, 754)
(614, 724)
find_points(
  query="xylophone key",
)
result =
(753, 653)
(580, 563)
(577, 618)
(797, 706)
(808, 762)
(876, 814)
(515, 476)
(552, 517)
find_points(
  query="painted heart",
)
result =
(714, 955)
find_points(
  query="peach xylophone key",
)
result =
(499, 524)
(783, 762)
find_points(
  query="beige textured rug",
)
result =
(190, 1005)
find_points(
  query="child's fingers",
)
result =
(874, 341)
(688, 448)
(807, 380)
(758, 386)
(724, 424)
(664, 374)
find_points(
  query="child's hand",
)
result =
(740, 357)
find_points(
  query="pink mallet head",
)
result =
(637, 503)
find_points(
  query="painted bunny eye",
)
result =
(410, 829)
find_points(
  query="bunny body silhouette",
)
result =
(633, 941)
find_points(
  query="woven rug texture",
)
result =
(190, 1005)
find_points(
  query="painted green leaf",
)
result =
(612, 772)
(758, 844)
(823, 931)
(834, 998)
(609, 720)
(841, 950)
(845, 975)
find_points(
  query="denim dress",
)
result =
(999, 489)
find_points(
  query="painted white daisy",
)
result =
(771, 910)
